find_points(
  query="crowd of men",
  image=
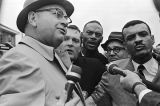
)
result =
(54, 55)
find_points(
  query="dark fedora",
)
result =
(114, 36)
(32, 5)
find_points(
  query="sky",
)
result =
(112, 14)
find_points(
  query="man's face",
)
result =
(138, 40)
(92, 36)
(51, 25)
(115, 51)
(72, 43)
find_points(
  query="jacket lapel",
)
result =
(156, 80)
(125, 64)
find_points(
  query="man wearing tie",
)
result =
(139, 42)
(146, 97)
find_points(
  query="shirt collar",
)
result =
(82, 53)
(46, 51)
(151, 65)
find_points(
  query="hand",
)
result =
(64, 56)
(62, 101)
(128, 81)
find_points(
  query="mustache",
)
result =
(139, 43)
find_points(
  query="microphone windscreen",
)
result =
(110, 67)
(74, 74)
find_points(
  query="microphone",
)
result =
(114, 69)
(73, 76)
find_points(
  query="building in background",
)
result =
(7, 38)
(7, 35)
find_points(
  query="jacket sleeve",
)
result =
(151, 99)
(111, 84)
(21, 83)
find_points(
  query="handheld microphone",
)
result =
(73, 76)
(114, 69)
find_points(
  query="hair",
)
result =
(93, 21)
(117, 33)
(157, 4)
(134, 22)
(158, 45)
(74, 27)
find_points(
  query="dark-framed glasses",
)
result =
(59, 13)
(115, 49)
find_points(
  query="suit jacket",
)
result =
(127, 64)
(29, 76)
(150, 99)
(92, 70)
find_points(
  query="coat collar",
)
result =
(44, 50)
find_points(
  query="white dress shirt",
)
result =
(151, 68)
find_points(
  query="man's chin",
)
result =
(141, 54)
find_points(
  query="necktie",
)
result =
(140, 69)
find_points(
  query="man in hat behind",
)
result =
(30, 74)
(115, 50)
(114, 47)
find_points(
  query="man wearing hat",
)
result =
(114, 47)
(31, 74)
(115, 51)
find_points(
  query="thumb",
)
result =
(62, 99)
(121, 78)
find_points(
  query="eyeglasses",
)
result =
(59, 13)
(97, 34)
(115, 49)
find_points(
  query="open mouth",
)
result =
(113, 59)
(92, 44)
(69, 51)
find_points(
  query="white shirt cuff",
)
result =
(143, 93)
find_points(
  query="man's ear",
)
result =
(153, 40)
(32, 18)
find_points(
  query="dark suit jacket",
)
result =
(97, 55)
(92, 70)
(150, 99)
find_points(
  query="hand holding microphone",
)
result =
(114, 69)
(73, 76)
(128, 82)
(62, 100)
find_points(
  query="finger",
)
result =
(121, 79)
(73, 102)
(85, 94)
(125, 71)
(62, 99)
